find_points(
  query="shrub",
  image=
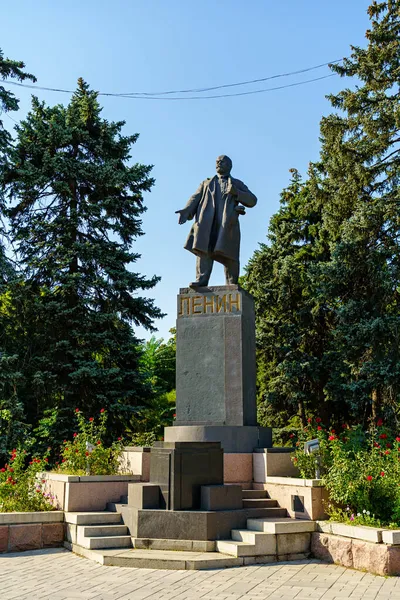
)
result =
(361, 471)
(20, 489)
(86, 454)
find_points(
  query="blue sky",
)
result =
(136, 45)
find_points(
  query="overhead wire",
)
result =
(161, 95)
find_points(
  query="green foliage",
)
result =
(360, 469)
(86, 453)
(20, 489)
(326, 286)
(142, 439)
(75, 205)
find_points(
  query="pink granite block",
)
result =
(25, 537)
(332, 548)
(52, 534)
(238, 467)
(370, 557)
(4, 538)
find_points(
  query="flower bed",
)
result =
(360, 469)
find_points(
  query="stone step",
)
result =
(179, 545)
(254, 494)
(92, 518)
(259, 503)
(267, 513)
(281, 525)
(103, 530)
(263, 543)
(153, 559)
(109, 541)
(235, 548)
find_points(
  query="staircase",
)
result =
(97, 530)
(275, 535)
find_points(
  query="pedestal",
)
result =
(180, 469)
(216, 370)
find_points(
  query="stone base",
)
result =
(233, 439)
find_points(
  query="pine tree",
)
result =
(293, 326)
(8, 103)
(360, 163)
(75, 207)
(352, 285)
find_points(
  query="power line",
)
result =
(280, 87)
(156, 95)
(227, 85)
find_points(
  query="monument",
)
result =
(215, 329)
(188, 496)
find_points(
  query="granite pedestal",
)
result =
(181, 468)
(216, 370)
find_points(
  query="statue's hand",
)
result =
(240, 209)
(182, 216)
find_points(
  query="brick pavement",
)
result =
(60, 575)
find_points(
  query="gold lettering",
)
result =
(208, 302)
(182, 306)
(221, 303)
(197, 303)
(234, 303)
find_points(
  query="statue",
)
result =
(215, 234)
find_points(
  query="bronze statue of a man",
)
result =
(215, 234)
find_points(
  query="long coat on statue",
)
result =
(225, 242)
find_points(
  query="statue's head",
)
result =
(223, 165)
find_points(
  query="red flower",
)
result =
(65, 442)
(66, 449)
(77, 410)
(2, 470)
(102, 410)
(309, 420)
(333, 431)
(382, 473)
(318, 419)
(63, 460)
(75, 435)
(398, 439)
(91, 419)
(174, 415)
(319, 427)
(383, 436)
(98, 442)
(344, 426)
(388, 445)
(119, 439)
(331, 437)
(376, 445)
(11, 470)
(43, 481)
(31, 463)
(76, 451)
(291, 435)
(369, 477)
(295, 460)
(387, 451)
(45, 460)
(379, 422)
(86, 453)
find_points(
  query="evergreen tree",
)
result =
(75, 207)
(327, 292)
(293, 326)
(360, 165)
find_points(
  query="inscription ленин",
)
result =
(207, 304)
